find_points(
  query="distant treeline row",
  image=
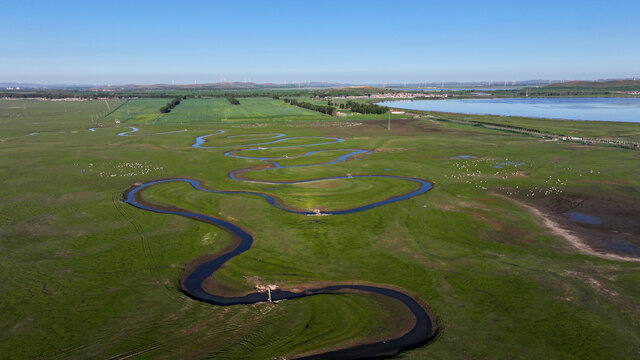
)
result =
(325, 109)
(167, 93)
(58, 94)
(171, 104)
(565, 91)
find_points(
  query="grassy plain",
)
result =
(590, 129)
(139, 110)
(87, 276)
(22, 117)
(213, 110)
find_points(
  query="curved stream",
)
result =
(135, 129)
(424, 328)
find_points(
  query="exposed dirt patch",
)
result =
(615, 237)
(615, 227)
(591, 281)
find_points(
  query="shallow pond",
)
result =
(585, 219)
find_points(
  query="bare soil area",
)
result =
(611, 229)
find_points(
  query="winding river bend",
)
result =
(424, 328)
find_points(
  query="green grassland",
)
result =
(21, 117)
(84, 275)
(585, 129)
(139, 110)
(213, 110)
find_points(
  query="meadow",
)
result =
(624, 131)
(85, 275)
(139, 110)
(213, 110)
(22, 117)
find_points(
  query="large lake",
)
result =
(603, 109)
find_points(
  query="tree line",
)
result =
(325, 109)
(366, 108)
(191, 93)
(171, 104)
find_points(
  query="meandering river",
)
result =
(424, 328)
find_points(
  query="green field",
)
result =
(21, 117)
(213, 110)
(139, 110)
(85, 275)
(590, 129)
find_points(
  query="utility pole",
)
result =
(389, 122)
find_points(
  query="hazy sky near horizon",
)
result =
(80, 42)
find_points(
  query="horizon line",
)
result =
(307, 82)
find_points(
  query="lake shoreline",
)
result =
(575, 109)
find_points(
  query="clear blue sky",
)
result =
(343, 41)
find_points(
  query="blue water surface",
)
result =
(601, 109)
(585, 219)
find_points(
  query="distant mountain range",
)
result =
(467, 84)
(236, 85)
(508, 84)
(599, 84)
